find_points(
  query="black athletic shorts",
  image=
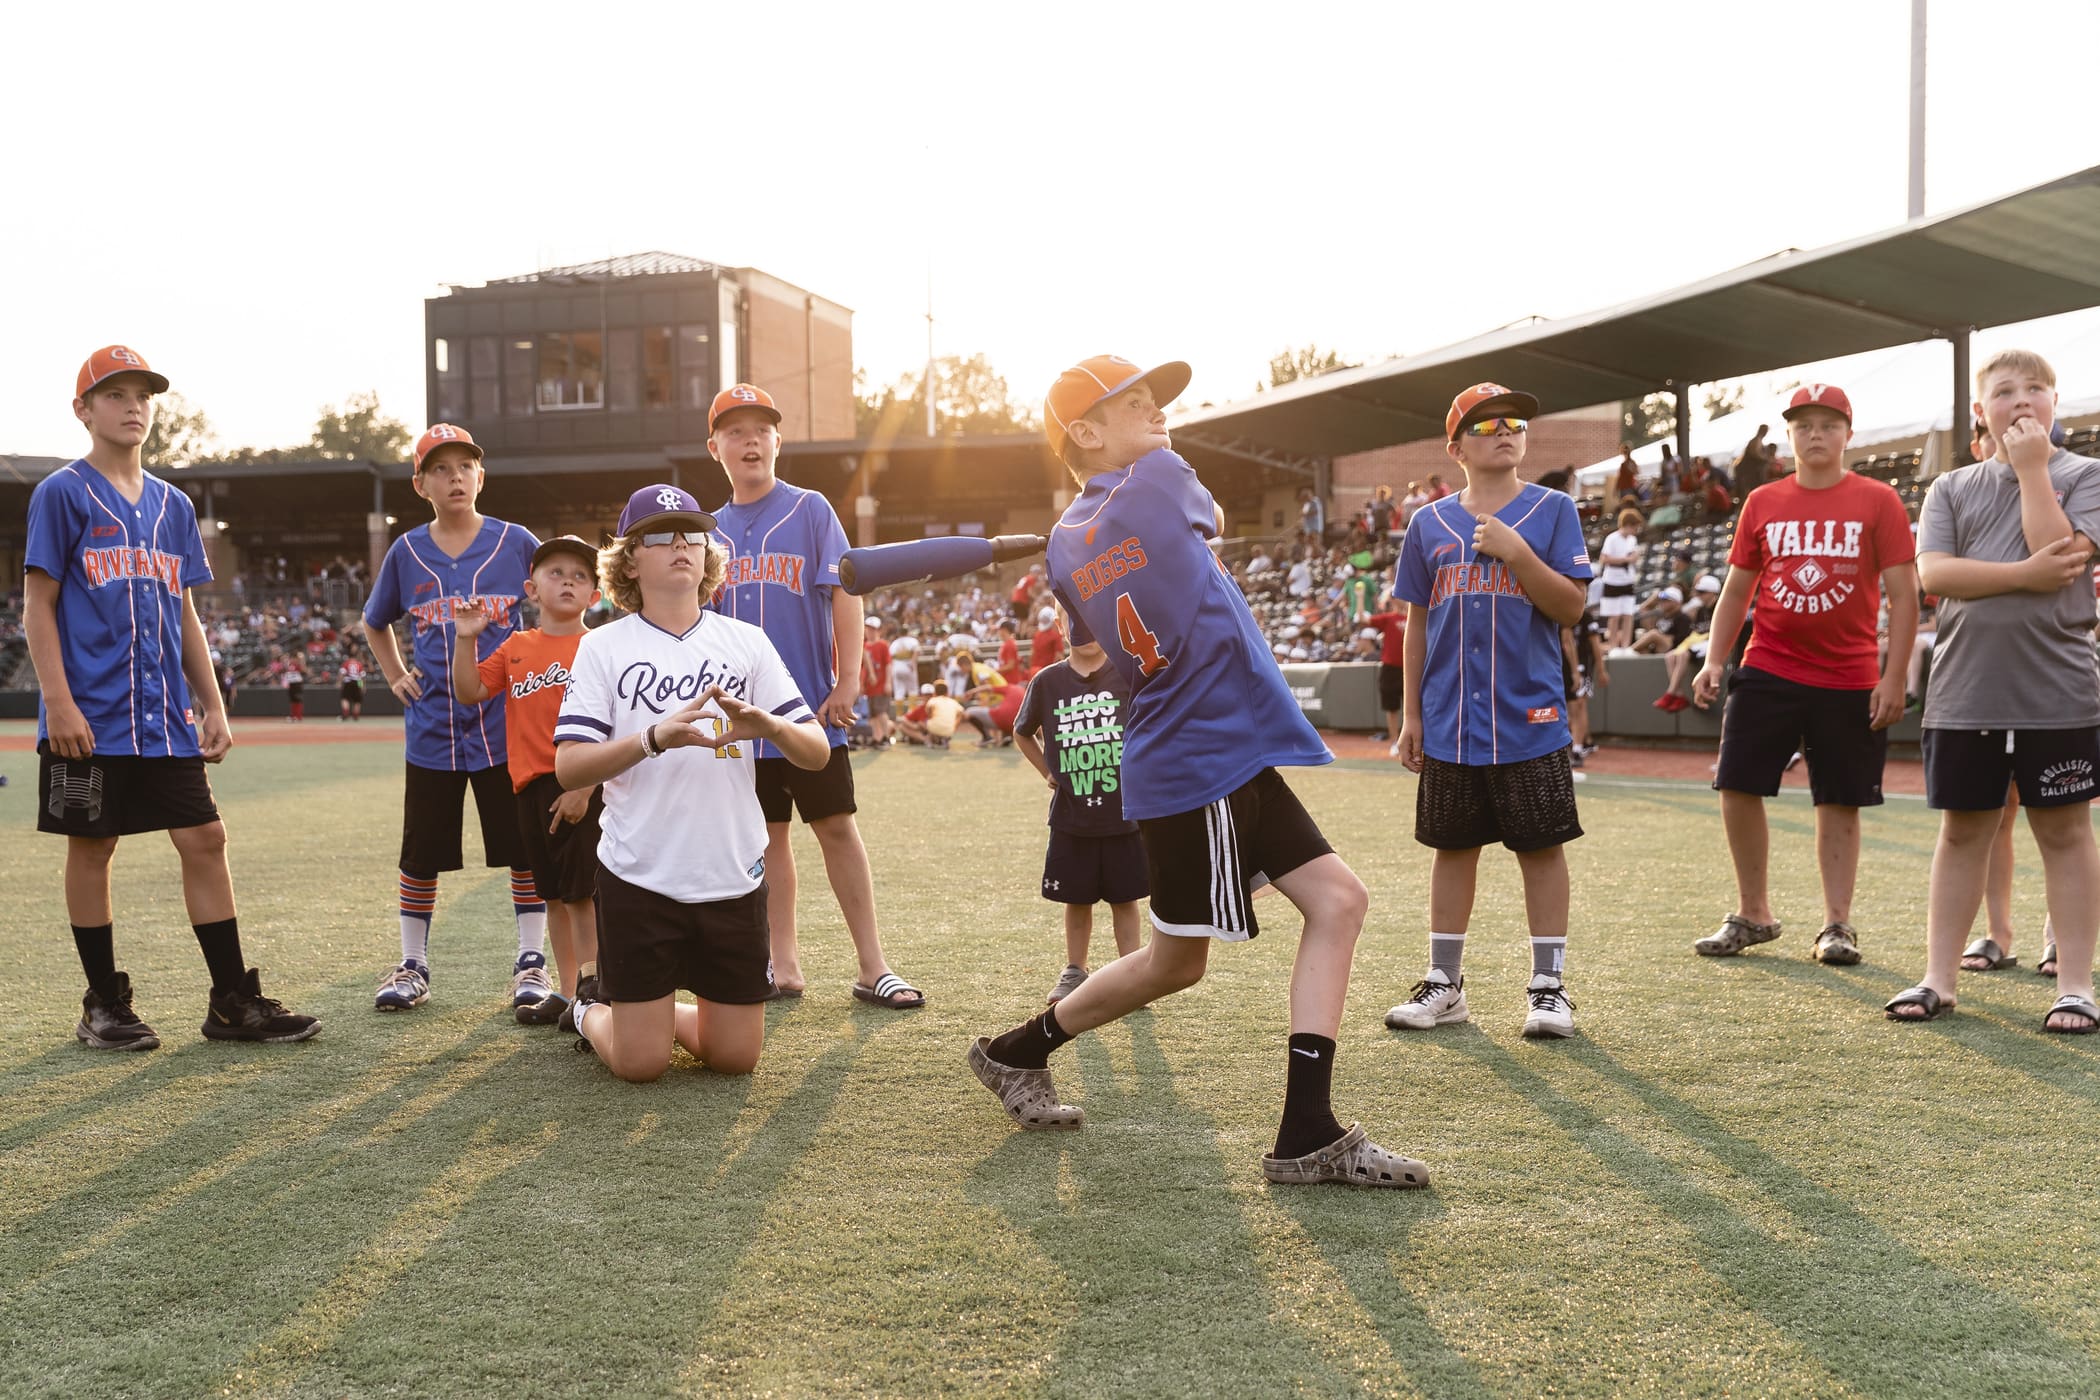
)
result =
(1768, 719)
(2052, 767)
(1528, 805)
(1090, 869)
(432, 802)
(565, 862)
(1392, 685)
(815, 793)
(1205, 865)
(353, 692)
(120, 794)
(650, 945)
(295, 694)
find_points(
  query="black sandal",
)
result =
(1921, 996)
(2047, 966)
(1987, 953)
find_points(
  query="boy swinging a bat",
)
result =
(1210, 721)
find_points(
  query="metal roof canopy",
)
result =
(2031, 254)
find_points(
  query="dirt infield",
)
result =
(1692, 765)
(18, 735)
(1619, 760)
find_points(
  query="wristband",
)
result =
(649, 748)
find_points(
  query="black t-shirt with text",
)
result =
(1079, 722)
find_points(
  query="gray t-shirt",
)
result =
(2014, 660)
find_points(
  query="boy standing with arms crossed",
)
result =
(1210, 717)
(1490, 575)
(784, 545)
(2006, 545)
(558, 830)
(1818, 548)
(1077, 707)
(121, 657)
(461, 556)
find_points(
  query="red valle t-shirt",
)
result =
(1818, 557)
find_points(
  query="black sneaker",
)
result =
(246, 1014)
(546, 1011)
(107, 1021)
(586, 990)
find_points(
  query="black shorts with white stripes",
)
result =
(1206, 864)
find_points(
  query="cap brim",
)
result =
(1525, 405)
(766, 409)
(665, 519)
(577, 548)
(1167, 381)
(473, 447)
(157, 380)
(1787, 414)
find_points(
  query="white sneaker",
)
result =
(530, 985)
(1552, 1009)
(1434, 1001)
(1394, 751)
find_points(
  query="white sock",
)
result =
(418, 903)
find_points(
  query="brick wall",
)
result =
(799, 349)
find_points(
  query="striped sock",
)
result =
(531, 910)
(1547, 955)
(418, 902)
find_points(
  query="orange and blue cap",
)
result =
(738, 396)
(1100, 377)
(441, 435)
(111, 361)
(1480, 401)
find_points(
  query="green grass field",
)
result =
(1738, 1179)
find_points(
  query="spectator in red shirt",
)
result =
(1049, 644)
(1392, 651)
(1024, 591)
(1009, 650)
(875, 680)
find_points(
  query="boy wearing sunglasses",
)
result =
(1490, 575)
(460, 557)
(666, 708)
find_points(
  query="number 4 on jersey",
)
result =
(1138, 639)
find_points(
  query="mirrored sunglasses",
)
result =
(657, 539)
(1488, 427)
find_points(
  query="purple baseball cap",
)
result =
(662, 505)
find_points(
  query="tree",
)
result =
(969, 396)
(1303, 362)
(1646, 419)
(180, 434)
(358, 431)
(1722, 397)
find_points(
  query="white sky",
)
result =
(259, 197)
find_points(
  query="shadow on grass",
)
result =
(2063, 1062)
(1141, 1204)
(1879, 1316)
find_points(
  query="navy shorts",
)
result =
(1204, 865)
(1768, 718)
(564, 862)
(1090, 869)
(784, 789)
(120, 794)
(650, 945)
(433, 800)
(1966, 770)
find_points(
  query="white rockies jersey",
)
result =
(686, 825)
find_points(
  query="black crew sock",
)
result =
(1028, 1045)
(1308, 1123)
(98, 954)
(221, 943)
